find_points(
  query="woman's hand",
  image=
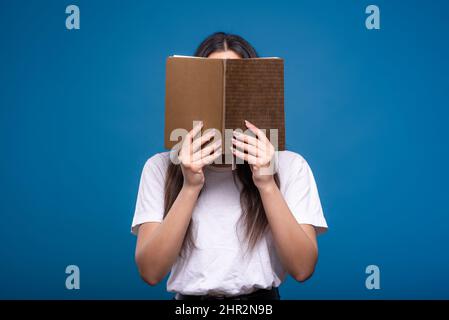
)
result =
(194, 156)
(159, 243)
(259, 155)
(295, 243)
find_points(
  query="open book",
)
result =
(223, 93)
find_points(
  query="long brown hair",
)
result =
(253, 215)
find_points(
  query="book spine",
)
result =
(224, 100)
(223, 131)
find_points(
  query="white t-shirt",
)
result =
(220, 263)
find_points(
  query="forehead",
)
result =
(228, 54)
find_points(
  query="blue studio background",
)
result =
(81, 111)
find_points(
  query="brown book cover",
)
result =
(223, 93)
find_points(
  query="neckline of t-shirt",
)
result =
(218, 169)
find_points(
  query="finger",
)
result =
(186, 149)
(207, 150)
(184, 154)
(199, 142)
(192, 133)
(211, 158)
(196, 129)
(246, 138)
(251, 140)
(259, 133)
(245, 156)
(211, 148)
(247, 147)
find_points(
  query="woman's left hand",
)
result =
(259, 154)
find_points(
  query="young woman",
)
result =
(227, 233)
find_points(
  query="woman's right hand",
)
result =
(159, 243)
(194, 155)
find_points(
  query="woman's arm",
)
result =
(159, 244)
(295, 243)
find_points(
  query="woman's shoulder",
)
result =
(158, 162)
(292, 163)
(289, 159)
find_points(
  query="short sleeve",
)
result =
(150, 196)
(301, 192)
